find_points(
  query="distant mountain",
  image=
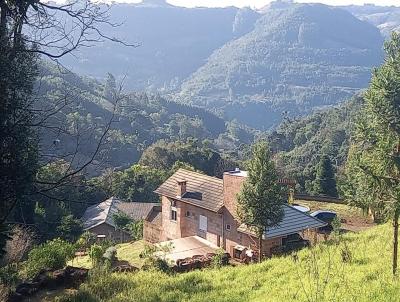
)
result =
(298, 57)
(386, 18)
(173, 43)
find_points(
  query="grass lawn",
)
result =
(357, 269)
(125, 252)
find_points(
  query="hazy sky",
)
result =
(260, 3)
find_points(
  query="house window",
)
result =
(228, 227)
(174, 215)
(203, 223)
(188, 214)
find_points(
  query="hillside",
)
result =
(292, 61)
(386, 18)
(299, 143)
(173, 42)
(141, 119)
(358, 269)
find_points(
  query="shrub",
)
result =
(219, 260)
(86, 240)
(70, 228)
(52, 255)
(135, 229)
(96, 254)
(9, 274)
(154, 258)
(110, 255)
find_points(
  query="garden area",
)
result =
(354, 267)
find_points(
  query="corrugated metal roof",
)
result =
(293, 221)
(201, 190)
(104, 212)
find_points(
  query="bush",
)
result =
(9, 274)
(154, 258)
(219, 260)
(52, 255)
(86, 240)
(135, 229)
(96, 254)
(70, 228)
(110, 254)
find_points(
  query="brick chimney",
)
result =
(181, 188)
(232, 185)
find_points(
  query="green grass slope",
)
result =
(318, 274)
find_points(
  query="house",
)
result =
(98, 219)
(197, 205)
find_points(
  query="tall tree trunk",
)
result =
(395, 239)
(259, 248)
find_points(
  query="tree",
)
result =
(373, 167)
(260, 202)
(110, 87)
(70, 228)
(138, 183)
(29, 28)
(325, 182)
(121, 221)
(135, 229)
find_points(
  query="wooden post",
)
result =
(260, 248)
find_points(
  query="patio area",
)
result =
(188, 247)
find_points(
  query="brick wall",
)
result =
(190, 223)
(232, 186)
(171, 229)
(152, 232)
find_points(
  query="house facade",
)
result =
(194, 204)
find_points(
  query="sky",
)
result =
(261, 3)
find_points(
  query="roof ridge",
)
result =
(111, 205)
(198, 173)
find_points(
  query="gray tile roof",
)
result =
(201, 190)
(104, 212)
(293, 221)
(136, 210)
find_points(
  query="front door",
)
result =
(202, 226)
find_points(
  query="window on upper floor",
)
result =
(174, 215)
(228, 227)
(188, 214)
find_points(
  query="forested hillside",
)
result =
(292, 61)
(83, 109)
(300, 143)
(386, 18)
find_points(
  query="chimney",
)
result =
(181, 188)
(232, 184)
